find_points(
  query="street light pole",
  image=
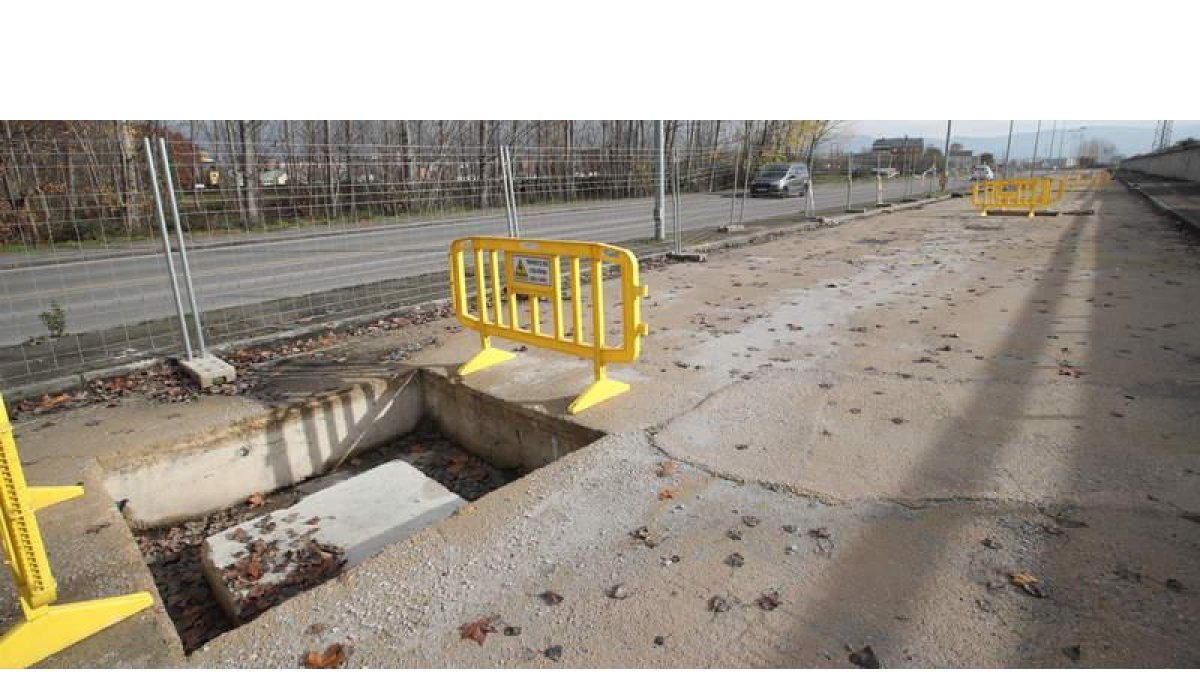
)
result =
(660, 188)
(946, 156)
(1037, 136)
(1008, 147)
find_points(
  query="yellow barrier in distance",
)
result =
(534, 269)
(46, 628)
(1016, 194)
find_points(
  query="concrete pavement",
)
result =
(884, 420)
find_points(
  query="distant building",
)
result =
(899, 146)
(960, 158)
(272, 178)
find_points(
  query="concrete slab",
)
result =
(265, 560)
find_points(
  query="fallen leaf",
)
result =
(477, 630)
(768, 601)
(1026, 582)
(333, 657)
(865, 658)
(49, 402)
(665, 494)
(255, 500)
(667, 468)
(718, 604)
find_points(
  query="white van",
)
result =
(983, 172)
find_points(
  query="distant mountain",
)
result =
(1128, 140)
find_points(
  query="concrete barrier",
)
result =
(1179, 163)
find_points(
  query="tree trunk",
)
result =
(247, 133)
(330, 175)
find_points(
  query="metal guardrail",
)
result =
(505, 270)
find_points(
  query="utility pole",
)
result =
(1008, 147)
(660, 188)
(946, 156)
(1050, 155)
(1036, 137)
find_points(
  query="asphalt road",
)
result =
(106, 292)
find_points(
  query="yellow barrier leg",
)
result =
(597, 392)
(55, 627)
(41, 497)
(487, 357)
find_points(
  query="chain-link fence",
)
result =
(290, 231)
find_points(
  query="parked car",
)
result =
(983, 172)
(784, 180)
(887, 172)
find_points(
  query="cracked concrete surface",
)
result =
(884, 419)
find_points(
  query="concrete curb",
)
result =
(1159, 205)
(764, 234)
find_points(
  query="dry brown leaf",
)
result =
(477, 630)
(253, 570)
(333, 657)
(667, 468)
(665, 494)
(255, 500)
(1026, 582)
(49, 401)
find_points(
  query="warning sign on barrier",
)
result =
(529, 269)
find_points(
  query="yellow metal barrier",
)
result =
(1018, 194)
(46, 628)
(533, 269)
(1084, 181)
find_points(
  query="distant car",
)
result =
(983, 172)
(783, 180)
(888, 172)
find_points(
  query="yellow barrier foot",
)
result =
(59, 626)
(41, 497)
(598, 392)
(486, 358)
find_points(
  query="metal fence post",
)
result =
(675, 204)
(162, 226)
(508, 195)
(745, 187)
(183, 259)
(660, 179)
(737, 168)
(849, 180)
(510, 192)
